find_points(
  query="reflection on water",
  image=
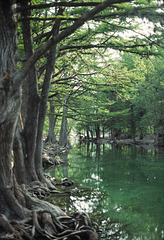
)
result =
(120, 186)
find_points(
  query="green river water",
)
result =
(122, 189)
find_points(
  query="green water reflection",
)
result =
(123, 185)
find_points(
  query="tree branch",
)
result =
(67, 32)
(59, 4)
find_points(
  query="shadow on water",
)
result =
(121, 187)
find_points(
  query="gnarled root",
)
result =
(46, 225)
(12, 230)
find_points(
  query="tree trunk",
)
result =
(19, 163)
(91, 134)
(43, 104)
(13, 200)
(63, 140)
(88, 137)
(31, 101)
(9, 110)
(103, 132)
(133, 123)
(52, 121)
(97, 130)
(113, 135)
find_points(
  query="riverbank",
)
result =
(148, 141)
(51, 154)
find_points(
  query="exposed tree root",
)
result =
(50, 151)
(41, 191)
(45, 225)
(35, 219)
(41, 220)
(65, 182)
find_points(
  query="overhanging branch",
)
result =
(67, 32)
(59, 4)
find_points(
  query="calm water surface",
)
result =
(122, 188)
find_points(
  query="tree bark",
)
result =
(19, 163)
(9, 110)
(31, 102)
(63, 140)
(52, 121)
(43, 104)
(12, 199)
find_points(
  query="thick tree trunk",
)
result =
(9, 110)
(63, 140)
(31, 101)
(19, 163)
(13, 201)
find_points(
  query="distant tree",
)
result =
(52, 121)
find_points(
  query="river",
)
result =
(121, 187)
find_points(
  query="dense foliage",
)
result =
(126, 96)
(107, 69)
